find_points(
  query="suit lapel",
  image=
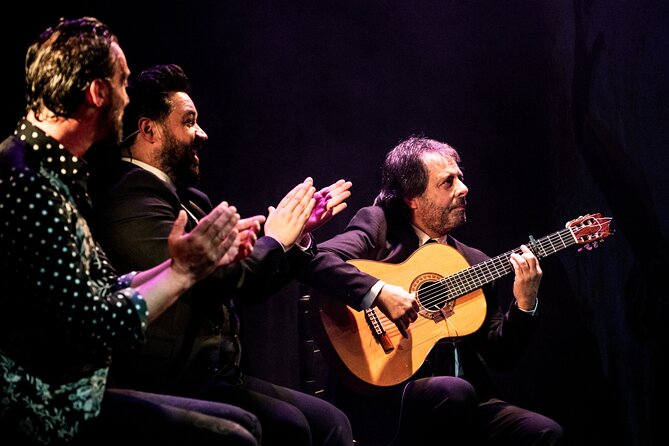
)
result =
(187, 199)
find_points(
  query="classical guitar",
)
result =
(366, 347)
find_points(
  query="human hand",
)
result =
(399, 306)
(527, 278)
(198, 252)
(248, 229)
(286, 221)
(329, 202)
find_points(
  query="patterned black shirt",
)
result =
(62, 306)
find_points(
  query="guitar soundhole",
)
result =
(429, 293)
(432, 295)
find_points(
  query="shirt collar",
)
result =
(157, 172)
(53, 154)
(423, 237)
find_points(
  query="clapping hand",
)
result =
(285, 222)
(329, 202)
(248, 229)
(213, 242)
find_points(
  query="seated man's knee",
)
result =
(444, 391)
(286, 422)
(335, 427)
(551, 434)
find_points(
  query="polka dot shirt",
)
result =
(63, 306)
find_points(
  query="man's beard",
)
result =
(112, 120)
(178, 161)
(443, 221)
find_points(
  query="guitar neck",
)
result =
(470, 279)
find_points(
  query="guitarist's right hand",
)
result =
(398, 305)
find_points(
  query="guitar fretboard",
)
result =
(470, 279)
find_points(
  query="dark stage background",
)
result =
(558, 108)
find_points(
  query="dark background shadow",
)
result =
(558, 109)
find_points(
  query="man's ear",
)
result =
(147, 129)
(98, 93)
(412, 203)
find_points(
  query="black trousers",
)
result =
(128, 417)
(283, 413)
(134, 417)
(445, 407)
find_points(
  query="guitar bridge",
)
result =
(378, 331)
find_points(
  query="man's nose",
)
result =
(200, 133)
(463, 189)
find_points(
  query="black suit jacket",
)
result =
(377, 234)
(134, 212)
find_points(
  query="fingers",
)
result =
(230, 240)
(339, 192)
(244, 252)
(294, 196)
(304, 201)
(225, 224)
(338, 208)
(527, 277)
(197, 252)
(410, 315)
(399, 306)
(228, 248)
(222, 218)
(220, 226)
(251, 223)
(307, 205)
(289, 196)
(339, 187)
(402, 327)
(247, 241)
(338, 199)
(525, 262)
(179, 225)
(403, 323)
(247, 236)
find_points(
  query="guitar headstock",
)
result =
(589, 229)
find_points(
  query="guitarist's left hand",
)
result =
(527, 279)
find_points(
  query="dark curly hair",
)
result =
(63, 61)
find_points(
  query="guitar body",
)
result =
(351, 342)
(366, 348)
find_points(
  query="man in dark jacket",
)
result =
(194, 348)
(441, 393)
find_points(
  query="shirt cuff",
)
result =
(533, 311)
(371, 295)
(280, 244)
(125, 281)
(306, 239)
(305, 242)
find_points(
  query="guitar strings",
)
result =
(589, 228)
(473, 278)
(463, 282)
